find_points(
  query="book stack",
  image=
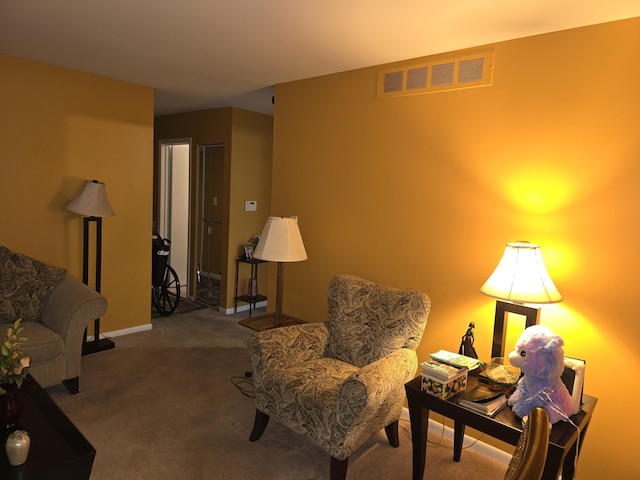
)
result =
(456, 360)
(441, 379)
(482, 399)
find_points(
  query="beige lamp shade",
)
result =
(522, 277)
(92, 201)
(281, 241)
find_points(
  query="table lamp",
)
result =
(280, 242)
(520, 277)
(93, 204)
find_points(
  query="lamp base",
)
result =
(92, 346)
(531, 314)
(268, 321)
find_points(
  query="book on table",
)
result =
(482, 399)
(439, 370)
(456, 360)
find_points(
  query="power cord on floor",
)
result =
(245, 385)
(438, 442)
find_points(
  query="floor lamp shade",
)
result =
(520, 277)
(281, 241)
(92, 201)
(92, 204)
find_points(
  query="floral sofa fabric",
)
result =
(340, 382)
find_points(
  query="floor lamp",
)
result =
(520, 277)
(280, 242)
(93, 204)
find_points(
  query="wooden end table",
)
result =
(564, 446)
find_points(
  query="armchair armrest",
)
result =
(68, 310)
(372, 398)
(284, 346)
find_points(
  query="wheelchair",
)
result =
(165, 285)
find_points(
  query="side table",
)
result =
(564, 446)
(250, 299)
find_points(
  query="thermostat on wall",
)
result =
(250, 205)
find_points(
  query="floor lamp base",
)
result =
(95, 346)
(268, 321)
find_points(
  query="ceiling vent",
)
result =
(475, 70)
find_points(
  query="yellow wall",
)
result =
(424, 191)
(247, 137)
(60, 127)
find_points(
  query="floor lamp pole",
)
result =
(97, 344)
(279, 289)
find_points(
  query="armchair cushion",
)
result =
(25, 284)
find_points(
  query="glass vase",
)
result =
(10, 405)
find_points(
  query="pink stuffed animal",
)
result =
(540, 356)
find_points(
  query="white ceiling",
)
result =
(201, 54)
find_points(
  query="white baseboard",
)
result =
(124, 331)
(480, 447)
(242, 308)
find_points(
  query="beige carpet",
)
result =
(164, 405)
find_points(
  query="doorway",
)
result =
(211, 229)
(173, 206)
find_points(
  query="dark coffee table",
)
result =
(58, 450)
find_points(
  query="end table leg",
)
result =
(419, 429)
(458, 437)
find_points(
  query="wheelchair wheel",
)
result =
(166, 297)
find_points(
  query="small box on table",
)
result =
(444, 388)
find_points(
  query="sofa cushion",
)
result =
(25, 284)
(43, 344)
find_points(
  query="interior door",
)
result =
(211, 229)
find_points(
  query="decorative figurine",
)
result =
(466, 345)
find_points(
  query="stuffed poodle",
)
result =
(540, 356)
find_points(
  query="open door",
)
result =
(173, 220)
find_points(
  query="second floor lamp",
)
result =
(280, 242)
(92, 204)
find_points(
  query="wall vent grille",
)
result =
(474, 70)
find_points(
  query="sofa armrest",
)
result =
(67, 311)
(372, 397)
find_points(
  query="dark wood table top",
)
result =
(58, 450)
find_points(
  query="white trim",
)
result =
(479, 446)
(242, 308)
(125, 331)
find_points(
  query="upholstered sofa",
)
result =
(55, 309)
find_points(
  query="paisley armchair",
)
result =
(338, 383)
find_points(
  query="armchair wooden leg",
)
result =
(72, 384)
(259, 425)
(338, 469)
(392, 434)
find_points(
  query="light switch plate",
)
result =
(250, 205)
